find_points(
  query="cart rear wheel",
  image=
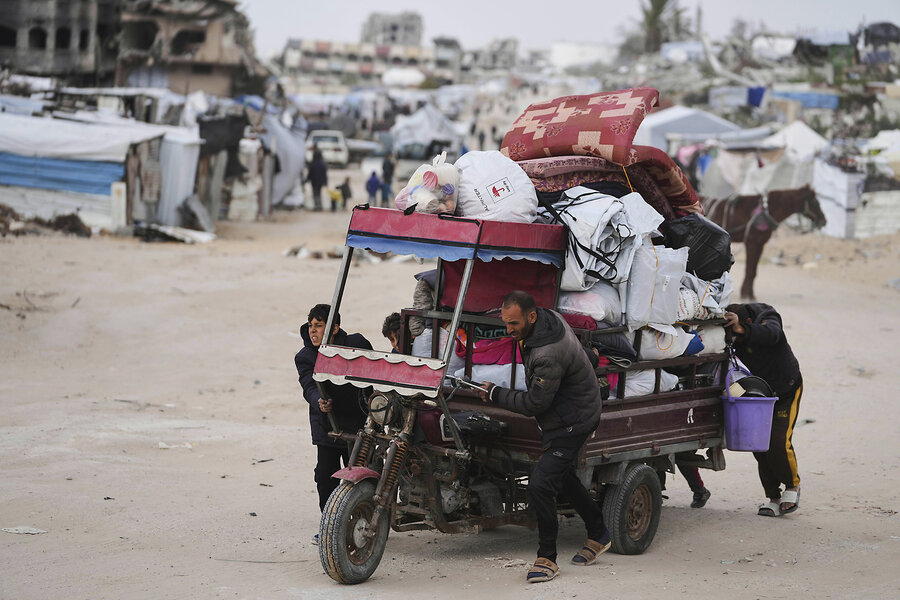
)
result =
(631, 510)
(347, 554)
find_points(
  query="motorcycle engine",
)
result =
(451, 498)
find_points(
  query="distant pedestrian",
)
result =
(387, 177)
(481, 136)
(346, 193)
(317, 176)
(373, 184)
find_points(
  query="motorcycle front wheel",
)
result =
(347, 555)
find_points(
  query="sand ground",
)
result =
(153, 426)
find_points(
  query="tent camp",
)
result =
(678, 120)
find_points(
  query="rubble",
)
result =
(11, 223)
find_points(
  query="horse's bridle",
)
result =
(809, 214)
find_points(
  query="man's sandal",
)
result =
(771, 508)
(789, 497)
(543, 569)
(590, 551)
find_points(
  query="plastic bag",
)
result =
(713, 295)
(493, 187)
(432, 188)
(709, 245)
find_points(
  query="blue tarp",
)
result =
(810, 99)
(84, 176)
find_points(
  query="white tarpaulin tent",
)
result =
(424, 126)
(679, 120)
(55, 138)
(178, 158)
(799, 141)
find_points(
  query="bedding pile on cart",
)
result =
(639, 253)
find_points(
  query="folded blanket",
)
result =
(601, 125)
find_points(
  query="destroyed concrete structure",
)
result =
(186, 46)
(60, 38)
(404, 29)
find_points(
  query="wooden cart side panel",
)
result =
(627, 425)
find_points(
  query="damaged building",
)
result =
(186, 46)
(75, 39)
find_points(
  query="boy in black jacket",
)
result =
(760, 343)
(346, 402)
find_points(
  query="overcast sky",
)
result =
(538, 23)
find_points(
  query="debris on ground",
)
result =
(165, 446)
(24, 530)
(12, 223)
(165, 233)
(300, 251)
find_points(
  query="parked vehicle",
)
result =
(432, 456)
(332, 144)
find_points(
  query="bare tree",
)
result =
(663, 21)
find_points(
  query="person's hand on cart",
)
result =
(325, 405)
(485, 393)
(733, 323)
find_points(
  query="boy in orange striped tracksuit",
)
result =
(760, 343)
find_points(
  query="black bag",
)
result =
(709, 245)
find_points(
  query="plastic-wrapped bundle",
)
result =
(653, 286)
(601, 302)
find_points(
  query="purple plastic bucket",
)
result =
(748, 420)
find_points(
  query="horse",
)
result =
(753, 220)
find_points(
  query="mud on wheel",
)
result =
(347, 554)
(631, 510)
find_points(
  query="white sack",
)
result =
(640, 383)
(601, 302)
(493, 187)
(713, 338)
(653, 286)
(688, 304)
(496, 374)
(657, 345)
(421, 346)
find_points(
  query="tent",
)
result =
(677, 120)
(51, 166)
(423, 128)
(178, 157)
(799, 141)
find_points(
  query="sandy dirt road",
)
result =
(151, 423)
